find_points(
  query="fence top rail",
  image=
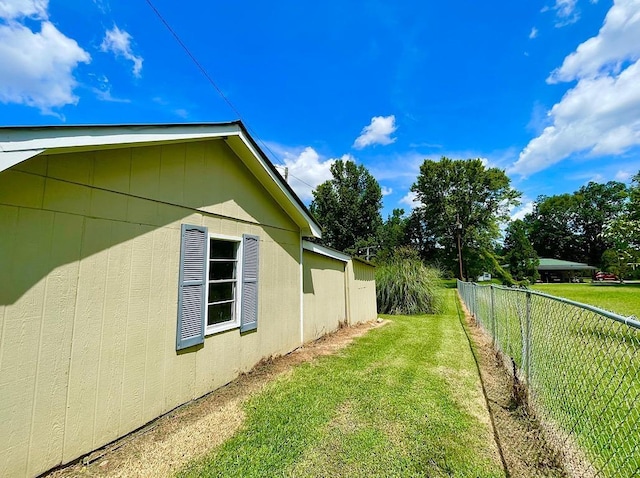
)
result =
(630, 321)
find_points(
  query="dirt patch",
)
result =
(170, 442)
(525, 451)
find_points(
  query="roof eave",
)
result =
(18, 144)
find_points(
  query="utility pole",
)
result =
(459, 232)
(286, 174)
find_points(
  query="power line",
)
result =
(297, 178)
(218, 90)
(194, 59)
(215, 86)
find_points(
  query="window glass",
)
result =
(221, 284)
(219, 270)
(219, 313)
(222, 249)
(219, 291)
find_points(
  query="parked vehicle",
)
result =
(601, 276)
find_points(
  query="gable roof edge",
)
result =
(18, 144)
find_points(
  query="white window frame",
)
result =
(232, 324)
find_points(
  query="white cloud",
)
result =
(103, 90)
(103, 5)
(386, 191)
(623, 176)
(410, 199)
(534, 33)
(566, 12)
(306, 170)
(182, 113)
(601, 115)
(119, 42)
(105, 95)
(520, 212)
(15, 9)
(379, 131)
(37, 66)
(597, 178)
(618, 41)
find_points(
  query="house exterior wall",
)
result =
(362, 291)
(336, 291)
(325, 304)
(89, 259)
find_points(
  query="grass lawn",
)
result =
(584, 372)
(623, 299)
(404, 400)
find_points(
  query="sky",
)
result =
(548, 91)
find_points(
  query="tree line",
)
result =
(458, 224)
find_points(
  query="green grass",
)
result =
(623, 299)
(401, 401)
(585, 374)
(449, 283)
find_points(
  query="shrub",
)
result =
(404, 285)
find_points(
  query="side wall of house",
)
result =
(362, 291)
(325, 304)
(89, 258)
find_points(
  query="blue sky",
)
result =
(547, 90)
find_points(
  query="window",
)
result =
(222, 284)
(218, 285)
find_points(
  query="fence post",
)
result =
(526, 342)
(493, 315)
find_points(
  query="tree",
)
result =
(348, 207)
(570, 226)
(460, 197)
(519, 253)
(392, 234)
(598, 206)
(552, 227)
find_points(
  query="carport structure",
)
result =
(556, 270)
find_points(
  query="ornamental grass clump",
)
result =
(405, 286)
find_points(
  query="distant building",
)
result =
(556, 270)
(484, 277)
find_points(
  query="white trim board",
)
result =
(325, 251)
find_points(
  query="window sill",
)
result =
(218, 328)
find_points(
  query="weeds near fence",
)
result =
(581, 367)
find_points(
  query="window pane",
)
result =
(222, 270)
(222, 249)
(220, 292)
(220, 313)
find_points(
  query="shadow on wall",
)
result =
(64, 208)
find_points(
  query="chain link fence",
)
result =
(581, 369)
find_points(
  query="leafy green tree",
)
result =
(598, 206)
(633, 207)
(552, 227)
(459, 197)
(519, 253)
(570, 226)
(348, 207)
(393, 234)
(622, 234)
